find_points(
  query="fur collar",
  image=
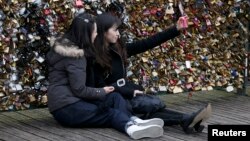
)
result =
(66, 48)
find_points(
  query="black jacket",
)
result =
(118, 69)
(67, 76)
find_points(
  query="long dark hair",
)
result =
(104, 22)
(80, 32)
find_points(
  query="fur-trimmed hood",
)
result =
(65, 48)
(61, 48)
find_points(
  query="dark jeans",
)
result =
(169, 117)
(112, 112)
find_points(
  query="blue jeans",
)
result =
(113, 112)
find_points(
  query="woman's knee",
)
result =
(115, 95)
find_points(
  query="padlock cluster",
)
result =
(26, 27)
(209, 54)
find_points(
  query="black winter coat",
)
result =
(118, 69)
(67, 76)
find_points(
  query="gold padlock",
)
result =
(31, 98)
(44, 99)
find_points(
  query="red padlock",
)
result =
(46, 11)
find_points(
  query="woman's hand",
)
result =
(108, 89)
(137, 92)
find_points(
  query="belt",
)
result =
(121, 82)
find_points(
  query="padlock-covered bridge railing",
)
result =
(209, 55)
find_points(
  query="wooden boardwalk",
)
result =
(38, 124)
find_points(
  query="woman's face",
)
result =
(112, 35)
(94, 33)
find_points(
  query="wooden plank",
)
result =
(216, 110)
(232, 112)
(172, 131)
(98, 133)
(218, 119)
(226, 110)
(20, 133)
(5, 136)
(205, 96)
(217, 115)
(54, 129)
(227, 100)
(29, 129)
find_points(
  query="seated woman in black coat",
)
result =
(111, 55)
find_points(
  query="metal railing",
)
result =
(246, 83)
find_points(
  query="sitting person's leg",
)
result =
(79, 114)
(116, 101)
(133, 129)
(188, 122)
(84, 114)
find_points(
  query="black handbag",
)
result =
(146, 104)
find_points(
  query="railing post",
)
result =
(243, 91)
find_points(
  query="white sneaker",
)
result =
(153, 121)
(138, 132)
